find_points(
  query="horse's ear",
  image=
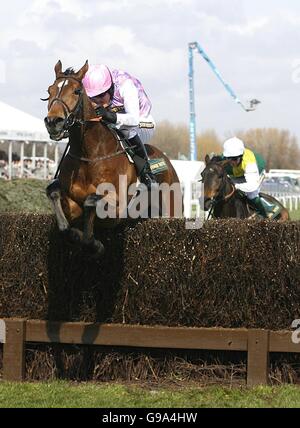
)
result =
(58, 68)
(81, 73)
(207, 159)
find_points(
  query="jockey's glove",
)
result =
(107, 116)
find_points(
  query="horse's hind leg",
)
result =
(54, 194)
(284, 216)
(89, 215)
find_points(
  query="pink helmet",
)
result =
(97, 80)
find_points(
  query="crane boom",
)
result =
(253, 103)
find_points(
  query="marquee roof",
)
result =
(20, 126)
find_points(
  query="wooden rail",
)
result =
(258, 344)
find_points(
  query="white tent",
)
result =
(18, 126)
(189, 172)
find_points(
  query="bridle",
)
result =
(70, 115)
(71, 118)
(221, 195)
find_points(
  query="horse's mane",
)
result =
(88, 110)
(217, 159)
(69, 71)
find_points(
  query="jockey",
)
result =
(247, 171)
(120, 99)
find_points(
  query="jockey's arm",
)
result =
(251, 179)
(131, 105)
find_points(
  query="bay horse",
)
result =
(95, 157)
(223, 200)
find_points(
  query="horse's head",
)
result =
(214, 180)
(65, 101)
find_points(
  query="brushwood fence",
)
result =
(258, 344)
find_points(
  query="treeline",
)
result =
(279, 148)
(174, 140)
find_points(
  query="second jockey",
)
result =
(248, 171)
(120, 99)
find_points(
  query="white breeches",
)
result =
(145, 134)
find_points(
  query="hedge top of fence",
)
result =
(227, 274)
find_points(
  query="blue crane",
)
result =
(253, 103)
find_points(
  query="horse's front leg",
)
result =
(65, 210)
(53, 191)
(89, 215)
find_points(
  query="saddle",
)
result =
(157, 165)
(272, 210)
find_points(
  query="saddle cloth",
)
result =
(157, 165)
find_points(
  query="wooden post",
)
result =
(33, 154)
(56, 156)
(10, 165)
(14, 350)
(258, 357)
(45, 161)
(22, 159)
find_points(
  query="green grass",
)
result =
(63, 394)
(24, 196)
(295, 215)
(28, 195)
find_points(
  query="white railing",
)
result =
(289, 201)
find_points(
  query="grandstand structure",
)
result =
(18, 129)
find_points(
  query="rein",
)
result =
(70, 118)
(221, 197)
(225, 198)
(120, 152)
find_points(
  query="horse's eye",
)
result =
(77, 91)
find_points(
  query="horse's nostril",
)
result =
(53, 121)
(47, 121)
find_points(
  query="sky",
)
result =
(254, 43)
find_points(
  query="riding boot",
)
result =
(141, 161)
(260, 207)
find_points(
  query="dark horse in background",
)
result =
(223, 200)
(95, 156)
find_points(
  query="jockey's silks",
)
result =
(249, 158)
(119, 77)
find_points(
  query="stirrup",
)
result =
(148, 179)
(150, 183)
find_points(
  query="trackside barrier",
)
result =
(257, 343)
(291, 202)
